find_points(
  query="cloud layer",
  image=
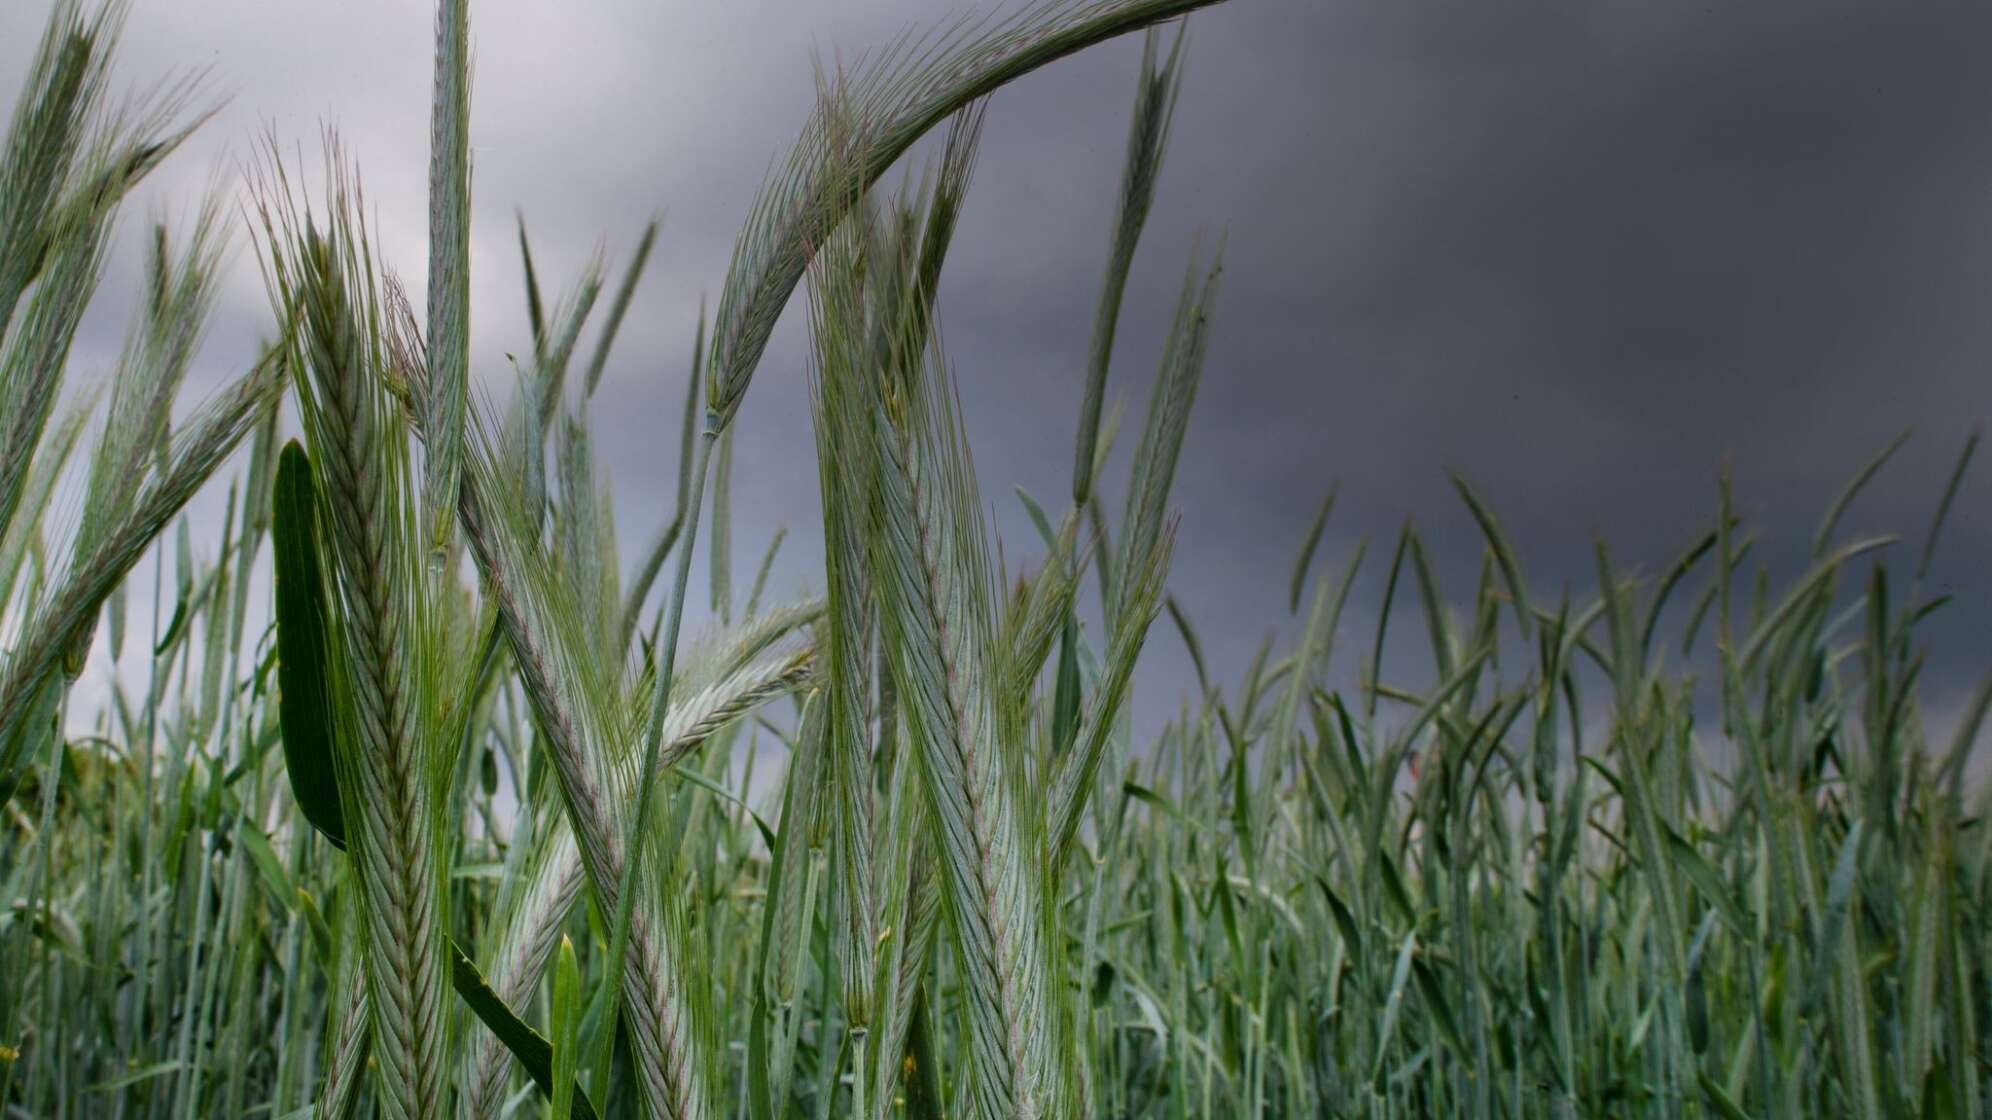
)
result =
(1580, 253)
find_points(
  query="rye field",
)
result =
(414, 795)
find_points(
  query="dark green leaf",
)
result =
(532, 1050)
(305, 704)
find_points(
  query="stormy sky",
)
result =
(1580, 252)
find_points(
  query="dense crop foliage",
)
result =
(462, 829)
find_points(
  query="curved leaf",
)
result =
(305, 703)
(532, 1049)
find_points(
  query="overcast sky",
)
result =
(1578, 251)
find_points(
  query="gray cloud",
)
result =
(1580, 252)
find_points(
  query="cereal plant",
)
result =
(462, 822)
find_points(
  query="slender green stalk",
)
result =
(652, 748)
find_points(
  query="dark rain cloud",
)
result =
(1579, 252)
